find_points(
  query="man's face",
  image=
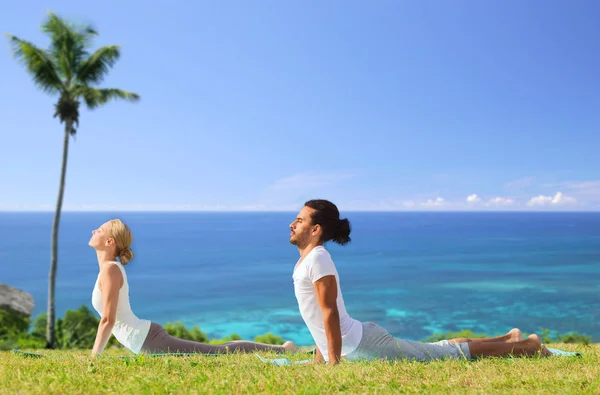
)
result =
(302, 231)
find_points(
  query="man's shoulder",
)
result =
(320, 255)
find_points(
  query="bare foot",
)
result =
(537, 346)
(290, 347)
(515, 335)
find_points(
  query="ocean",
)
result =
(412, 273)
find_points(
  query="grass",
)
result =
(75, 372)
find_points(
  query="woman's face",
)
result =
(101, 238)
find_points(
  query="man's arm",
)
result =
(326, 289)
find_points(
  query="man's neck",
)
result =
(305, 250)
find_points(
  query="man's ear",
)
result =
(316, 230)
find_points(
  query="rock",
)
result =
(15, 300)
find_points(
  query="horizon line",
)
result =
(293, 211)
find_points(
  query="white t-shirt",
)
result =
(316, 265)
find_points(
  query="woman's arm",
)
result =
(111, 281)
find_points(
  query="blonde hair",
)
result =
(123, 238)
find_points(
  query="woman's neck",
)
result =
(105, 257)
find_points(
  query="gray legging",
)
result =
(378, 343)
(159, 341)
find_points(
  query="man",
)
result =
(336, 333)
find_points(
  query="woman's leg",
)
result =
(159, 341)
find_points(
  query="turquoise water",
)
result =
(413, 273)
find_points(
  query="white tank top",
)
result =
(129, 330)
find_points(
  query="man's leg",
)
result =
(513, 336)
(528, 347)
(377, 343)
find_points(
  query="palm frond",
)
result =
(57, 25)
(97, 97)
(38, 63)
(94, 69)
(68, 44)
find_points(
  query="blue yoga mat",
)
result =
(37, 355)
(276, 361)
(562, 353)
(285, 361)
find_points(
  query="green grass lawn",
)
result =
(74, 372)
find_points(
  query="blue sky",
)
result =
(402, 105)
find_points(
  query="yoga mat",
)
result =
(276, 361)
(562, 353)
(36, 355)
(285, 361)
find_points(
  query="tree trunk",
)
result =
(50, 332)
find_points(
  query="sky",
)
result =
(262, 105)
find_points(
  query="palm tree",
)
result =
(68, 70)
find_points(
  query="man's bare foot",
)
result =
(290, 347)
(514, 335)
(537, 346)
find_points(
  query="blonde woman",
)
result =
(110, 298)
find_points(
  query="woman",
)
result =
(110, 298)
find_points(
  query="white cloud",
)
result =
(434, 203)
(473, 198)
(585, 190)
(558, 199)
(500, 201)
(309, 181)
(540, 200)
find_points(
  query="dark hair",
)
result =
(327, 215)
